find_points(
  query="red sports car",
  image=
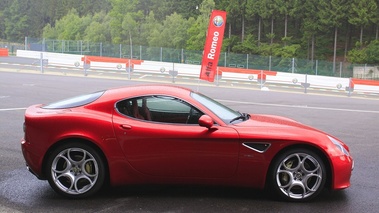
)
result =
(164, 134)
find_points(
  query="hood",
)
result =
(256, 120)
(274, 125)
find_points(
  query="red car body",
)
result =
(137, 151)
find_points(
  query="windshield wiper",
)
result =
(243, 116)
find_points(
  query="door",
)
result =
(170, 146)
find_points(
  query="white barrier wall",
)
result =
(53, 58)
(315, 81)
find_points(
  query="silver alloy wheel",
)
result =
(74, 171)
(299, 176)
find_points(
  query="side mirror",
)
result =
(206, 121)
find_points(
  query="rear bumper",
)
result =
(35, 174)
(33, 161)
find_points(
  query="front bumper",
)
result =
(342, 171)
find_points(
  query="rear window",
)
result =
(75, 101)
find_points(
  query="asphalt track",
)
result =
(21, 64)
(352, 119)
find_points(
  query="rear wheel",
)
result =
(298, 175)
(75, 170)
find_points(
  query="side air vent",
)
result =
(256, 146)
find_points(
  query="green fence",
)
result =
(244, 61)
(12, 47)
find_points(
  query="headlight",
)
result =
(338, 145)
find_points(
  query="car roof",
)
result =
(147, 89)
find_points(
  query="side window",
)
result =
(160, 109)
(135, 107)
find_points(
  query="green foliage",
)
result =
(363, 12)
(365, 55)
(119, 9)
(150, 30)
(165, 8)
(357, 56)
(310, 24)
(288, 51)
(266, 49)
(372, 52)
(197, 35)
(50, 32)
(98, 29)
(2, 25)
(174, 31)
(197, 30)
(71, 26)
(15, 21)
(248, 46)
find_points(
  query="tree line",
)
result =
(344, 30)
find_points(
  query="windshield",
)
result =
(222, 111)
(75, 101)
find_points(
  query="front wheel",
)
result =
(75, 170)
(298, 175)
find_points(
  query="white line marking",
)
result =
(146, 75)
(298, 106)
(12, 109)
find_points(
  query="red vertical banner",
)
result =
(213, 44)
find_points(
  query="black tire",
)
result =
(75, 170)
(297, 175)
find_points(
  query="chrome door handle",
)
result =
(125, 126)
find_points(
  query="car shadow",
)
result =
(196, 191)
(183, 191)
